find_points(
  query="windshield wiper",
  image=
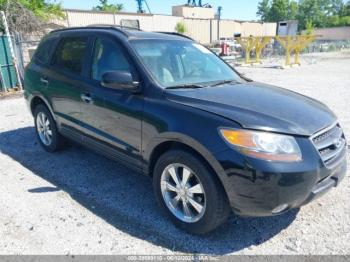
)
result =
(226, 82)
(185, 86)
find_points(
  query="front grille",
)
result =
(331, 145)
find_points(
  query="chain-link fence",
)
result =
(327, 46)
(24, 48)
(275, 53)
(318, 46)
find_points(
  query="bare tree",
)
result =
(20, 19)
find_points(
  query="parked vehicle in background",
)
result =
(229, 41)
(165, 106)
(227, 47)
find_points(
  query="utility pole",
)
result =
(219, 18)
(13, 56)
(140, 8)
(149, 10)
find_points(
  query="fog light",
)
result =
(280, 208)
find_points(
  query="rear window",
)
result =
(42, 54)
(69, 54)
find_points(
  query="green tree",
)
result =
(312, 11)
(263, 10)
(292, 10)
(278, 10)
(345, 21)
(346, 9)
(309, 28)
(27, 16)
(322, 13)
(318, 13)
(180, 28)
(107, 7)
(42, 9)
(336, 20)
(332, 7)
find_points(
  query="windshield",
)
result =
(174, 63)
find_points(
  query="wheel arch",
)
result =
(171, 141)
(36, 100)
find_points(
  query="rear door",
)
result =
(68, 72)
(35, 77)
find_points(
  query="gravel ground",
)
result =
(77, 202)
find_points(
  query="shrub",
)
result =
(180, 28)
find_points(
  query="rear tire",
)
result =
(49, 137)
(206, 206)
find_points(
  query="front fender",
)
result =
(189, 142)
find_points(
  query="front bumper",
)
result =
(325, 185)
(257, 188)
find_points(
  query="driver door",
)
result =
(112, 118)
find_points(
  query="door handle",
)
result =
(86, 98)
(44, 81)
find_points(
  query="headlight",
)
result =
(263, 145)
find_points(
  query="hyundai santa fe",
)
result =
(212, 140)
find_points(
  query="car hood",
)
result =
(259, 106)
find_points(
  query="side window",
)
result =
(69, 54)
(42, 54)
(108, 56)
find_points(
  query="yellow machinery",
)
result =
(303, 42)
(247, 44)
(256, 43)
(290, 43)
(296, 44)
(260, 43)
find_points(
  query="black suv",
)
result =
(165, 106)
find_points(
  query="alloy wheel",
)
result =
(183, 193)
(44, 128)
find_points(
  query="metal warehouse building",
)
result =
(204, 30)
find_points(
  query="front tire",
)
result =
(189, 193)
(46, 130)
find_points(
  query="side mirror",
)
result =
(121, 80)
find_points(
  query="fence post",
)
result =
(2, 80)
(11, 49)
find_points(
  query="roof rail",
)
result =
(177, 34)
(98, 26)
